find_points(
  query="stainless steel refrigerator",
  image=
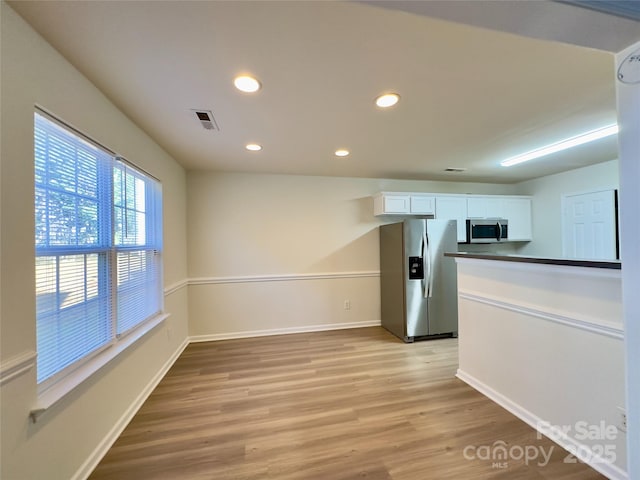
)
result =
(418, 283)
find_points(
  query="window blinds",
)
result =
(98, 248)
(137, 233)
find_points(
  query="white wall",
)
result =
(67, 435)
(629, 148)
(546, 203)
(245, 230)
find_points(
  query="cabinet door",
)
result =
(518, 212)
(495, 207)
(396, 203)
(477, 207)
(485, 207)
(422, 204)
(453, 208)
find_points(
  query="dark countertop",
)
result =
(613, 265)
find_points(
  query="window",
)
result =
(98, 239)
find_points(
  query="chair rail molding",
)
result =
(16, 366)
(282, 278)
(174, 287)
(608, 329)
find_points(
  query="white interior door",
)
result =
(589, 228)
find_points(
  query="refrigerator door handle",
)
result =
(426, 262)
(430, 275)
(425, 266)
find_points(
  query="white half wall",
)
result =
(547, 203)
(246, 231)
(69, 438)
(546, 342)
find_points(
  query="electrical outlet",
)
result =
(622, 419)
(347, 304)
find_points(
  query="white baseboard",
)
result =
(103, 447)
(599, 464)
(283, 331)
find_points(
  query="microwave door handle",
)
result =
(499, 236)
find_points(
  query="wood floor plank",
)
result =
(339, 405)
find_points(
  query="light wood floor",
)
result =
(349, 404)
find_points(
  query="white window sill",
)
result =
(59, 390)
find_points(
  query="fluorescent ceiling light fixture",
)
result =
(342, 152)
(247, 84)
(563, 145)
(387, 100)
(254, 147)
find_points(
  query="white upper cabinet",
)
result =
(453, 208)
(403, 204)
(423, 204)
(485, 207)
(518, 211)
(515, 208)
(391, 204)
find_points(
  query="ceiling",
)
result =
(470, 96)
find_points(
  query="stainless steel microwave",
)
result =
(487, 230)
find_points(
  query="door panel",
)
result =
(589, 226)
(416, 304)
(443, 298)
(453, 208)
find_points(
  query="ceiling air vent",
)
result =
(455, 169)
(207, 119)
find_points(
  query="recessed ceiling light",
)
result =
(387, 100)
(247, 84)
(342, 152)
(254, 147)
(562, 145)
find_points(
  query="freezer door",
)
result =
(417, 316)
(442, 280)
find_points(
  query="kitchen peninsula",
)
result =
(544, 338)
